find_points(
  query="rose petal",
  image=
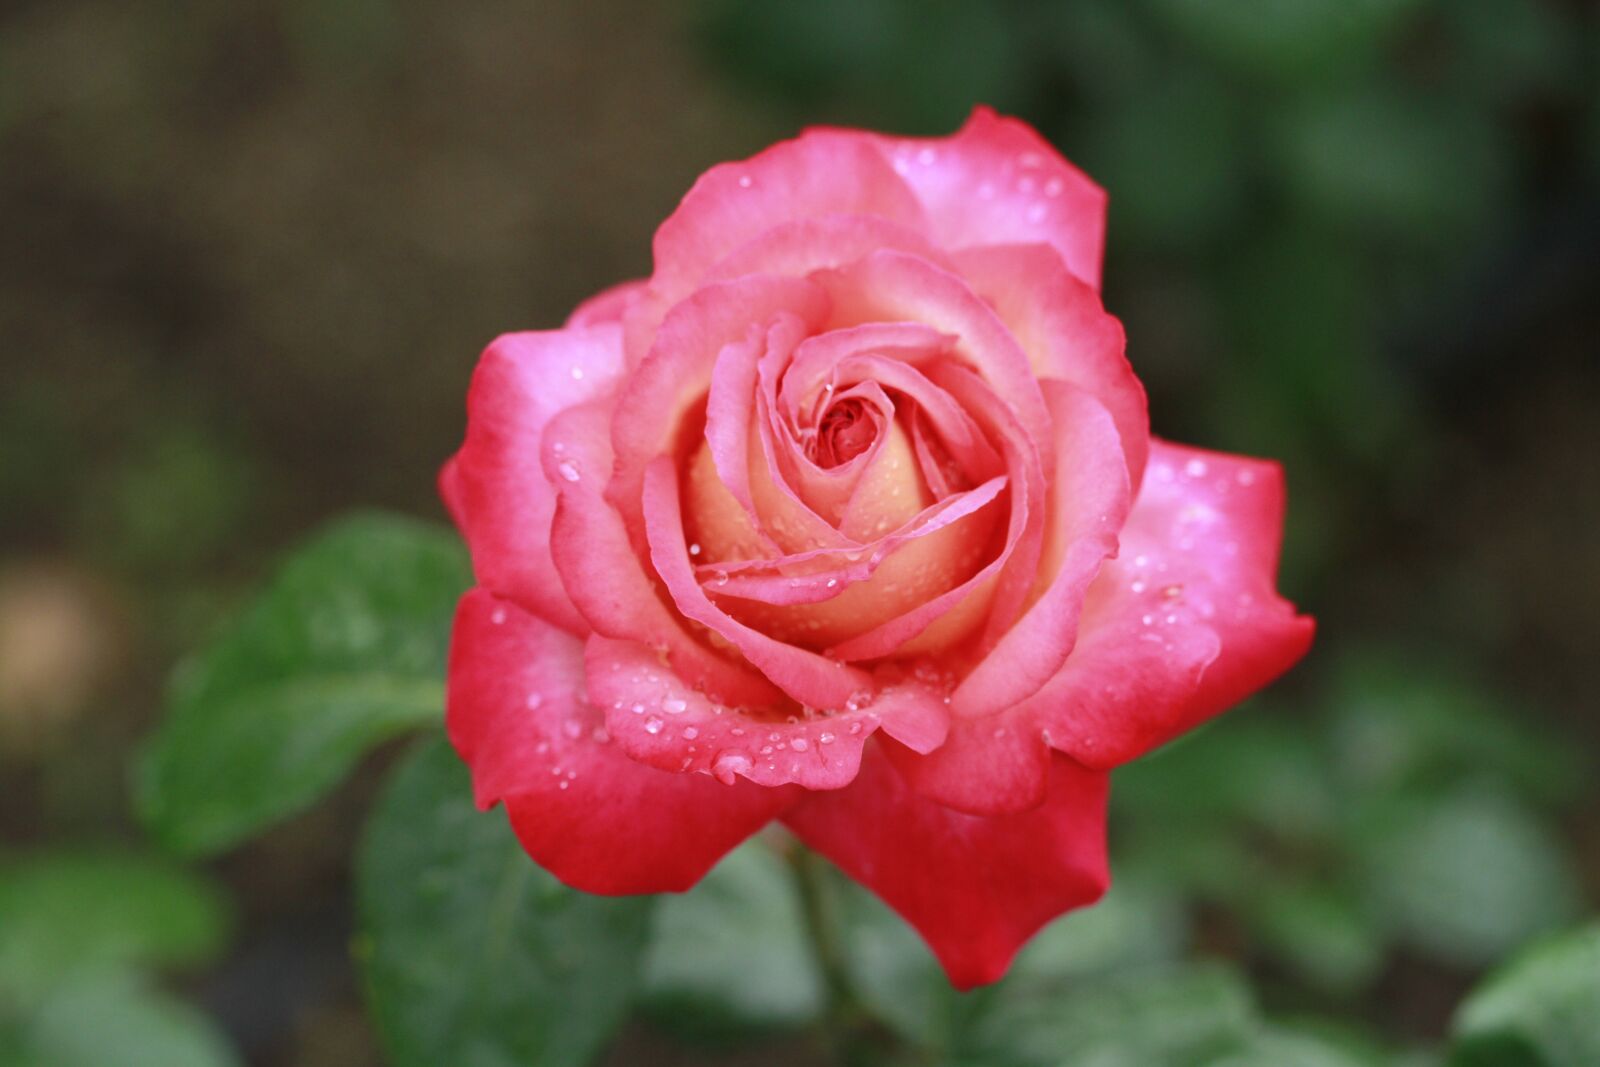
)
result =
(1087, 505)
(658, 720)
(609, 305)
(809, 678)
(894, 287)
(587, 813)
(819, 173)
(996, 181)
(673, 381)
(1062, 326)
(1200, 550)
(975, 888)
(604, 577)
(495, 486)
(1183, 624)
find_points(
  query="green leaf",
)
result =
(1139, 922)
(1541, 1010)
(109, 1018)
(1322, 932)
(1466, 876)
(732, 952)
(1290, 40)
(1135, 1019)
(1272, 1047)
(893, 970)
(64, 912)
(345, 650)
(1396, 163)
(474, 956)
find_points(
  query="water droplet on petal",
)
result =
(568, 470)
(534, 701)
(577, 374)
(800, 744)
(652, 725)
(690, 733)
(498, 616)
(674, 706)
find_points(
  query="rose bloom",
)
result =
(849, 516)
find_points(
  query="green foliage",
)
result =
(1404, 812)
(475, 957)
(346, 649)
(66, 912)
(731, 953)
(1289, 40)
(111, 1018)
(1541, 1010)
(73, 926)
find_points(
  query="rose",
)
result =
(850, 516)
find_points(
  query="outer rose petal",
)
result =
(608, 305)
(819, 173)
(1087, 504)
(1199, 550)
(594, 818)
(1183, 624)
(997, 182)
(494, 486)
(606, 580)
(975, 888)
(1062, 326)
(658, 720)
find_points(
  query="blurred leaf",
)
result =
(732, 952)
(1505, 50)
(1136, 1019)
(1322, 932)
(1291, 40)
(1541, 1010)
(344, 650)
(1465, 876)
(1403, 723)
(1426, 170)
(1102, 46)
(1139, 922)
(1304, 352)
(1172, 153)
(474, 956)
(895, 974)
(913, 66)
(1273, 1047)
(65, 912)
(110, 1019)
(1251, 765)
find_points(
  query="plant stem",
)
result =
(855, 1036)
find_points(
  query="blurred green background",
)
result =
(251, 251)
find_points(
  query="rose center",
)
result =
(847, 430)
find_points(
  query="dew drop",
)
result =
(601, 736)
(927, 156)
(800, 744)
(534, 701)
(563, 784)
(694, 550)
(825, 738)
(572, 728)
(1195, 468)
(498, 616)
(745, 181)
(652, 725)
(577, 374)
(1172, 592)
(728, 764)
(674, 706)
(568, 470)
(690, 733)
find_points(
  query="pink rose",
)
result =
(850, 516)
